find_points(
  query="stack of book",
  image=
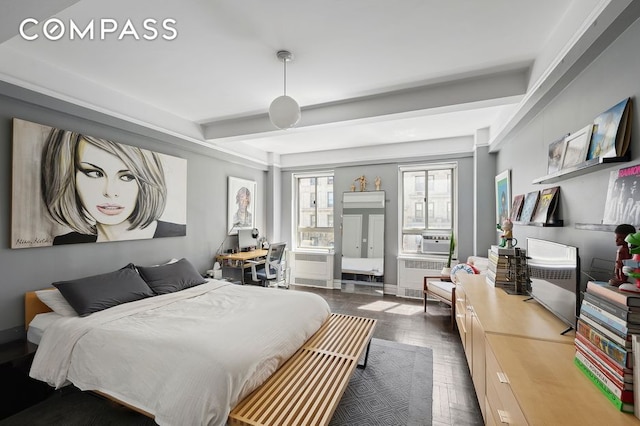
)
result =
(608, 319)
(498, 266)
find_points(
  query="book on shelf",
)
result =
(614, 351)
(623, 377)
(614, 294)
(608, 319)
(624, 341)
(516, 207)
(635, 340)
(622, 406)
(623, 395)
(621, 311)
(546, 208)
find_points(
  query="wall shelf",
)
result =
(555, 224)
(595, 227)
(582, 168)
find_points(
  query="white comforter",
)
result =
(186, 357)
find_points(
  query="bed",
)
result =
(185, 357)
(372, 267)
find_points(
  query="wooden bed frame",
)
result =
(306, 389)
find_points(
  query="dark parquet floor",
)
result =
(403, 320)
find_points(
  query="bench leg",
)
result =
(366, 357)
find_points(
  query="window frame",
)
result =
(296, 229)
(425, 167)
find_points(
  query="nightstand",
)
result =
(20, 390)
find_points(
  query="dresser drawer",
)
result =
(500, 399)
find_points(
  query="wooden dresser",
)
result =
(521, 365)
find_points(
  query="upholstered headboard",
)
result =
(32, 307)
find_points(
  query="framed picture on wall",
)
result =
(241, 205)
(503, 197)
(70, 187)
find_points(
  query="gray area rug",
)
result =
(395, 389)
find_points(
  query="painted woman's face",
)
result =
(107, 189)
(243, 200)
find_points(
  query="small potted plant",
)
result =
(446, 271)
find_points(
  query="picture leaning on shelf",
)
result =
(547, 209)
(612, 131)
(606, 141)
(622, 204)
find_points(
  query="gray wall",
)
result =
(344, 177)
(36, 268)
(610, 78)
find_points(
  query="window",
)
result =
(437, 198)
(419, 210)
(314, 210)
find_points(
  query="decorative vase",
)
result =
(445, 274)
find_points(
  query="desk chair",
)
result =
(271, 269)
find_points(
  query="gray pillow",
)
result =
(171, 277)
(92, 294)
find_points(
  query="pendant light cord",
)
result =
(284, 61)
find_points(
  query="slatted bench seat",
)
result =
(307, 389)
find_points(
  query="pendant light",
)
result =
(284, 111)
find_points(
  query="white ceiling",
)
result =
(365, 72)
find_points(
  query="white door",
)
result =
(352, 235)
(376, 236)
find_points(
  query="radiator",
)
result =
(312, 269)
(411, 272)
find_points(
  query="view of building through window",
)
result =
(427, 200)
(315, 211)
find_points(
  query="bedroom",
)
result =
(580, 83)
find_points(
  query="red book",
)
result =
(623, 394)
(619, 375)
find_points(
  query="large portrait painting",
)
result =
(241, 204)
(70, 187)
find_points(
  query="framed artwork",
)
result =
(241, 205)
(503, 197)
(577, 146)
(516, 207)
(70, 187)
(608, 140)
(529, 206)
(547, 204)
(556, 155)
(623, 197)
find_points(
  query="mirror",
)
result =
(363, 239)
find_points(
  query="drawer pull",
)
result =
(504, 417)
(502, 378)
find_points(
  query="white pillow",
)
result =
(56, 301)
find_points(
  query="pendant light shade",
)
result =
(284, 111)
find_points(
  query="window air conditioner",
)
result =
(434, 243)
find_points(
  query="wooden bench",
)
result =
(307, 389)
